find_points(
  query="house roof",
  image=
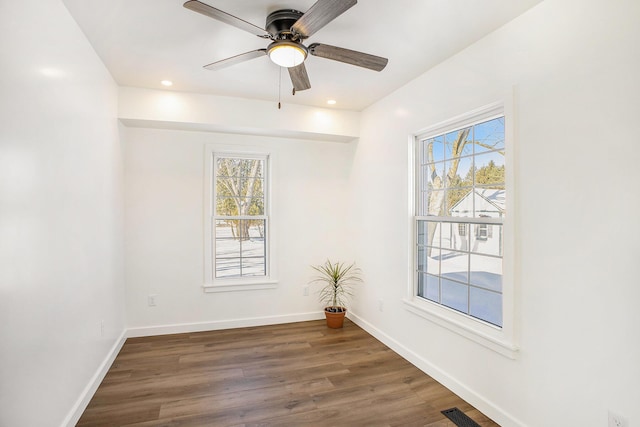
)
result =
(494, 196)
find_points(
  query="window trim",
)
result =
(210, 283)
(501, 340)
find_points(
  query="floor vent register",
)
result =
(459, 418)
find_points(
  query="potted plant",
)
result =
(338, 278)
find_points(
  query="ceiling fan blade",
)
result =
(224, 63)
(320, 14)
(299, 77)
(225, 17)
(353, 57)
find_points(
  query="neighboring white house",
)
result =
(481, 202)
(485, 202)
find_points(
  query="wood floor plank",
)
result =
(300, 374)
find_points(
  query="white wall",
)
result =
(61, 215)
(222, 114)
(164, 229)
(575, 68)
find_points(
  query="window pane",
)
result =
(445, 235)
(254, 243)
(455, 295)
(422, 258)
(424, 151)
(432, 260)
(434, 149)
(256, 206)
(433, 288)
(429, 287)
(227, 267)
(459, 172)
(455, 236)
(433, 234)
(435, 203)
(487, 239)
(421, 232)
(239, 206)
(227, 245)
(490, 202)
(423, 203)
(227, 250)
(257, 228)
(457, 143)
(422, 283)
(486, 272)
(226, 205)
(424, 176)
(489, 135)
(238, 167)
(251, 189)
(489, 170)
(434, 175)
(253, 267)
(486, 305)
(454, 265)
(460, 202)
(459, 181)
(464, 207)
(428, 233)
(455, 196)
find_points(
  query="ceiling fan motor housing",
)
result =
(279, 23)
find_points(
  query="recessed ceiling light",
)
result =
(166, 83)
(52, 72)
(331, 102)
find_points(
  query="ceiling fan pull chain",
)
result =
(279, 87)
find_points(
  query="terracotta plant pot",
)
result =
(335, 319)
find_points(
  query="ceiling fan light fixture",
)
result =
(286, 53)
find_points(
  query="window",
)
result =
(237, 228)
(459, 218)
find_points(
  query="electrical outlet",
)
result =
(151, 300)
(380, 305)
(102, 328)
(616, 420)
(305, 291)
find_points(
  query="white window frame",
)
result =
(502, 340)
(211, 283)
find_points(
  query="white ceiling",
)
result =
(145, 41)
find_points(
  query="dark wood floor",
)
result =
(300, 374)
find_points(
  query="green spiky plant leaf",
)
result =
(338, 279)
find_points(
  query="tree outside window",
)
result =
(461, 187)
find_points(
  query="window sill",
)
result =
(240, 286)
(480, 332)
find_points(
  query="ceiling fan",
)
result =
(287, 29)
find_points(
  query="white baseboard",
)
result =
(85, 397)
(488, 408)
(485, 406)
(181, 328)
